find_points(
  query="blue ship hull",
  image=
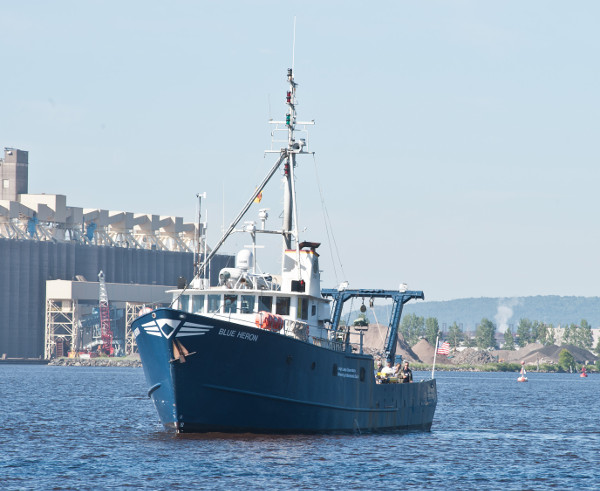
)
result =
(211, 375)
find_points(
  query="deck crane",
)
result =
(400, 297)
(105, 330)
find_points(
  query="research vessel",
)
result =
(268, 353)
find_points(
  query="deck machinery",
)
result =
(399, 297)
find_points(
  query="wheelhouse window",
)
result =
(185, 303)
(214, 303)
(282, 306)
(230, 304)
(302, 308)
(265, 304)
(247, 306)
(198, 304)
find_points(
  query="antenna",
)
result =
(294, 44)
(197, 251)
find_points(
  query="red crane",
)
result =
(105, 330)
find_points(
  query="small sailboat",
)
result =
(583, 373)
(523, 373)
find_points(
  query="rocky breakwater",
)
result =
(128, 361)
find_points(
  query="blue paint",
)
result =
(245, 379)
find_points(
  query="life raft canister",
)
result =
(268, 321)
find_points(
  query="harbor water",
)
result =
(95, 428)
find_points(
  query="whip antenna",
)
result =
(294, 44)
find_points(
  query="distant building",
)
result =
(13, 174)
(560, 331)
(41, 239)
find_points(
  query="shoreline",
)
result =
(132, 361)
(135, 362)
(23, 361)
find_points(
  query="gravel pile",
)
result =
(424, 351)
(374, 341)
(550, 354)
(518, 355)
(473, 356)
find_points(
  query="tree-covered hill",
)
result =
(508, 311)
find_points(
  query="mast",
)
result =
(199, 235)
(290, 209)
(287, 156)
(197, 249)
(290, 162)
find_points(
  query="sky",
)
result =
(456, 142)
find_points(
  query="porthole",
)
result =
(335, 370)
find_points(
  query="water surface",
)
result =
(93, 428)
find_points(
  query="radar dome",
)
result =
(243, 260)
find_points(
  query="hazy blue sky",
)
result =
(456, 142)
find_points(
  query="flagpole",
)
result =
(434, 356)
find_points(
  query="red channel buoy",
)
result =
(523, 376)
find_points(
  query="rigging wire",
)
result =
(381, 338)
(349, 314)
(329, 229)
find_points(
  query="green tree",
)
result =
(566, 360)
(534, 333)
(585, 338)
(523, 332)
(542, 333)
(412, 328)
(432, 330)
(485, 334)
(570, 334)
(406, 326)
(509, 341)
(455, 335)
(551, 337)
(597, 348)
(419, 330)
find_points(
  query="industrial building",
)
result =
(43, 240)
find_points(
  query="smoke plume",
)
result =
(505, 312)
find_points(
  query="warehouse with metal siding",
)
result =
(26, 265)
(41, 239)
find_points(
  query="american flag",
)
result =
(444, 348)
